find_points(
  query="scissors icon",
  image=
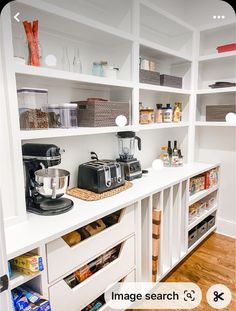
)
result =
(218, 296)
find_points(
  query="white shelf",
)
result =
(201, 194)
(69, 76)
(18, 279)
(165, 51)
(51, 133)
(217, 90)
(154, 126)
(217, 56)
(164, 89)
(214, 124)
(72, 16)
(201, 239)
(202, 217)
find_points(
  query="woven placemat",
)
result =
(88, 195)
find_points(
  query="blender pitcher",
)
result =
(126, 145)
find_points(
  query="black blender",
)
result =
(44, 186)
(132, 167)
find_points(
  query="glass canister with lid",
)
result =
(62, 115)
(33, 108)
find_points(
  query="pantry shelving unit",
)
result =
(140, 28)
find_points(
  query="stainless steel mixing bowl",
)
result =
(52, 182)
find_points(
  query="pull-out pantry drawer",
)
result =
(129, 278)
(63, 258)
(64, 298)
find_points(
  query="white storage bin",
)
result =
(88, 249)
(64, 298)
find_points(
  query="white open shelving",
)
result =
(204, 215)
(201, 194)
(191, 248)
(18, 279)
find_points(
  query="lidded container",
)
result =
(33, 108)
(62, 115)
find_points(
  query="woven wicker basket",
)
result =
(97, 113)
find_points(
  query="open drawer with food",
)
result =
(87, 242)
(88, 281)
(100, 303)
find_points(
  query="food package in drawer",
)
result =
(89, 246)
(192, 236)
(64, 298)
(201, 229)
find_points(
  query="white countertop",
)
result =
(38, 230)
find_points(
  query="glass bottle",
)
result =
(65, 60)
(164, 156)
(77, 64)
(175, 155)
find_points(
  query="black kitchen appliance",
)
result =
(132, 166)
(100, 175)
(44, 186)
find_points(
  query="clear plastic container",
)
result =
(33, 108)
(62, 115)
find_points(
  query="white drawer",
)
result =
(129, 278)
(62, 258)
(64, 298)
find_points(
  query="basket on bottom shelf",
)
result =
(198, 231)
(24, 298)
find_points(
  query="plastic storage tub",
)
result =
(33, 108)
(62, 115)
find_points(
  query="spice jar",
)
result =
(167, 113)
(177, 112)
(146, 115)
(158, 114)
(33, 108)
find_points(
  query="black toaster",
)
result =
(100, 175)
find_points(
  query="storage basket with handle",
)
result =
(96, 112)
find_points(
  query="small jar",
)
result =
(110, 72)
(146, 116)
(167, 114)
(97, 69)
(159, 113)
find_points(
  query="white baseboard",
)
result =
(226, 227)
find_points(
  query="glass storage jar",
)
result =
(62, 115)
(33, 108)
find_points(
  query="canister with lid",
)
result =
(62, 115)
(167, 113)
(33, 108)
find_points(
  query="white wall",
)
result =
(219, 144)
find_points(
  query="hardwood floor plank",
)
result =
(213, 262)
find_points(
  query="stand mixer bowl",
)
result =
(52, 182)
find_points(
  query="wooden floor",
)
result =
(214, 262)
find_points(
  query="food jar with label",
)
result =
(167, 113)
(159, 113)
(146, 115)
(33, 108)
(62, 115)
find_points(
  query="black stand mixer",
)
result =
(132, 167)
(44, 186)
